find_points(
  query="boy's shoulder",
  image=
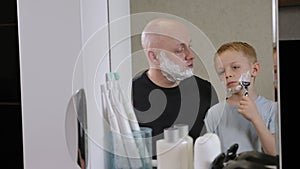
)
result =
(218, 106)
(263, 100)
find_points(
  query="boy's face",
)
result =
(229, 66)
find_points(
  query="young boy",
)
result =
(245, 117)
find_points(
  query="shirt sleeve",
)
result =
(274, 118)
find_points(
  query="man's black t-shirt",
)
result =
(159, 108)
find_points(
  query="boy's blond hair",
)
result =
(244, 47)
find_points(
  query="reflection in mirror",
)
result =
(275, 74)
(275, 46)
(76, 127)
(212, 24)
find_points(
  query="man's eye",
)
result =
(179, 51)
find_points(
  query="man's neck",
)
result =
(156, 76)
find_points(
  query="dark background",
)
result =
(289, 69)
(10, 96)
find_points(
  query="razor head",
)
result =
(245, 81)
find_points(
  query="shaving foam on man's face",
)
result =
(174, 72)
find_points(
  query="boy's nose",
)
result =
(228, 74)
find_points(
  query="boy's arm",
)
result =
(249, 110)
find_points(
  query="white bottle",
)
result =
(184, 134)
(172, 152)
(206, 149)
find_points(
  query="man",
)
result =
(168, 92)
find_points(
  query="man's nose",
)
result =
(190, 55)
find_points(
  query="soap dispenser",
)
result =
(172, 152)
(184, 134)
(206, 149)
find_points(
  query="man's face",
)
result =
(179, 53)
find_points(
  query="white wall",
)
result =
(106, 48)
(64, 46)
(49, 40)
(95, 60)
(289, 24)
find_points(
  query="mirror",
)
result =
(76, 128)
(211, 24)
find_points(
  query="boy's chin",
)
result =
(235, 89)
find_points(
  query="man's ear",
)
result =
(153, 57)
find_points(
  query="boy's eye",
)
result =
(221, 72)
(235, 67)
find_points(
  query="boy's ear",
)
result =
(255, 69)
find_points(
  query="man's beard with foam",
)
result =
(172, 71)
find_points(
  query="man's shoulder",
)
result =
(139, 76)
(201, 81)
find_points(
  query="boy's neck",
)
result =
(234, 99)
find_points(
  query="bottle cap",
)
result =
(183, 129)
(171, 134)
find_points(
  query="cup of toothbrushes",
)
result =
(143, 139)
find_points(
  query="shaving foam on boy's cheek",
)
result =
(172, 71)
(230, 91)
